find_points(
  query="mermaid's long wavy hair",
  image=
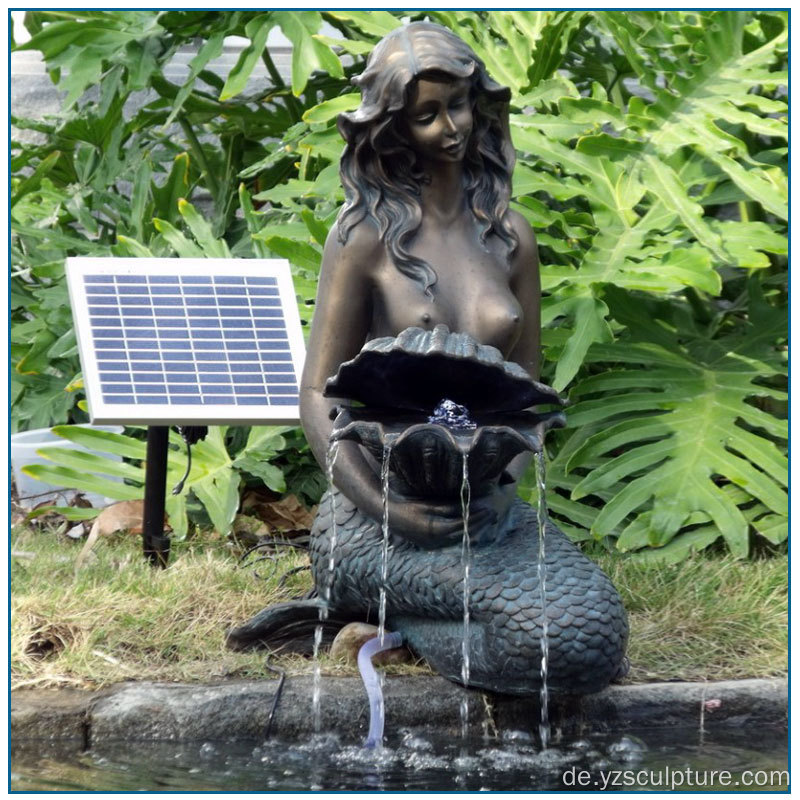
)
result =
(379, 170)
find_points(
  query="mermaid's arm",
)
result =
(526, 286)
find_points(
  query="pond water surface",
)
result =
(654, 759)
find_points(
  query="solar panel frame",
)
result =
(165, 333)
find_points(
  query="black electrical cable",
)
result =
(276, 699)
(191, 434)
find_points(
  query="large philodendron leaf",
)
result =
(78, 50)
(257, 31)
(636, 246)
(681, 425)
(519, 48)
(713, 91)
(308, 52)
(653, 169)
(573, 517)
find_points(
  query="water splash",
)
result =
(452, 416)
(541, 518)
(387, 454)
(315, 697)
(325, 588)
(465, 563)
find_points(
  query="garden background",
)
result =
(652, 166)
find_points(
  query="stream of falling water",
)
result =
(465, 563)
(541, 518)
(387, 454)
(326, 585)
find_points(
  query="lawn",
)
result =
(118, 619)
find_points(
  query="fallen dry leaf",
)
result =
(124, 516)
(288, 514)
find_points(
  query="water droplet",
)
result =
(517, 736)
(207, 750)
(627, 748)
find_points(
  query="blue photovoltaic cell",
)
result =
(191, 339)
(203, 312)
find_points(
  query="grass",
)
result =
(707, 618)
(119, 619)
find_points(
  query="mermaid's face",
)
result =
(438, 116)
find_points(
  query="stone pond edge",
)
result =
(236, 709)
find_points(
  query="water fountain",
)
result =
(432, 455)
(330, 460)
(421, 368)
(513, 574)
(510, 605)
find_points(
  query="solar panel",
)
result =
(172, 341)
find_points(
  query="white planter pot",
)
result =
(32, 492)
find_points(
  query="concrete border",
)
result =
(239, 709)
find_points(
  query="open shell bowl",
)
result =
(426, 460)
(401, 380)
(419, 368)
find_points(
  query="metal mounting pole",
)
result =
(156, 542)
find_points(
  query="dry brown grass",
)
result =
(119, 619)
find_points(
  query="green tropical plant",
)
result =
(682, 422)
(220, 464)
(652, 164)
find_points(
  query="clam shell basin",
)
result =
(418, 368)
(587, 625)
(426, 460)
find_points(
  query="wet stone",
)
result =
(352, 637)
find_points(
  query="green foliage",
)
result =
(160, 180)
(683, 437)
(221, 463)
(652, 164)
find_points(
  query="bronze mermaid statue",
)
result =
(429, 290)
